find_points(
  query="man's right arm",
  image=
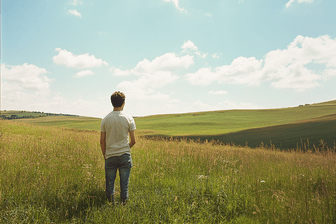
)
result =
(132, 142)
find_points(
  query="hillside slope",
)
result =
(81, 123)
(316, 133)
(285, 128)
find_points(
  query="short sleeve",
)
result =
(102, 126)
(132, 126)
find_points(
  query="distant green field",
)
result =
(81, 123)
(285, 128)
(21, 114)
(221, 122)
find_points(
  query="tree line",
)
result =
(36, 114)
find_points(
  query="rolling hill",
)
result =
(286, 128)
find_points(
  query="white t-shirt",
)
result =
(117, 125)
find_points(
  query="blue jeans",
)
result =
(112, 164)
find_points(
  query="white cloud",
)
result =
(241, 71)
(201, 54)
(151, 75)
(24, 87)
(219, 92)
(84, 73)
(288, 68)
(157, 80)
(119, 72)
(16, 98)
(189, 45)
(68, 59)
(76, 2)
(74, 12)
(288, 4)
(176, 4)
(26, 77)
(204, 76)
(144, 88)
(167, 62)
(160, 66)
(215, 55)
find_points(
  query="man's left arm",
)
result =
(132, 142)
(103, 143)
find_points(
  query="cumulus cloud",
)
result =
(190, 47)
(84, 73)
(76, 2)
(167, 62)
(287, 68)
(119, 72)
(161, 66)
(176, 4)
(289, 4)
(14, 99)
(24, 87)
(68, 59)
(26, 77)
(147, 82)
(215, 55)
(74, 12)
(241, 71)
(153, 75)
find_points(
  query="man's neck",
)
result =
(117, 108)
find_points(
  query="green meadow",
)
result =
(303, 127)
(288, 128)
(56, 175)
(78, 123)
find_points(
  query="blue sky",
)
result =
(167, 56)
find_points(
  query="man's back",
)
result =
(117, 125)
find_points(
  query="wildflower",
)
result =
(262, 181)
(201, 177)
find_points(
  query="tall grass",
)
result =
(51, 174)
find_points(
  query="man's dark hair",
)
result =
(117, 99)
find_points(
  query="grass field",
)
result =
(288, 128)
(56, 175)
(222, 122)
(285, 128)
(22, 114)
(79, 123)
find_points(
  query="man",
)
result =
(115, 146)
